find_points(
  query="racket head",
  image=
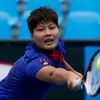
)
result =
(92, 75)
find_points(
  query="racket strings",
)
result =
(95, 76)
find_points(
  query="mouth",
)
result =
(49, 40)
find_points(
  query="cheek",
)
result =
(37, 40)
(57, 34)
(36, 36)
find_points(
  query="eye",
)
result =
(40, 29)
(52, 27)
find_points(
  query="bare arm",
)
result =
(57, 76)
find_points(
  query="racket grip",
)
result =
(79, 84)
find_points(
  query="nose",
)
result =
(48, 32)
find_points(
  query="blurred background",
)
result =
(79, 25)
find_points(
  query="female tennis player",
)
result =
(43, 65)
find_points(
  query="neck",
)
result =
(46, 51)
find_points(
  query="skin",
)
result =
(45, 36)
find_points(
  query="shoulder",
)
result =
(35, 64)
(31, 50)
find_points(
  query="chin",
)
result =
(50, 47)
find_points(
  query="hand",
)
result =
(71, 80)
(77, 73)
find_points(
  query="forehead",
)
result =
(44, 23)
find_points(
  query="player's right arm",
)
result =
(57, 76)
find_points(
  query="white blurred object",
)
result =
(4, 69)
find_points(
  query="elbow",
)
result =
(57, 77)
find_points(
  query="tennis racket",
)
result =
(91, 79)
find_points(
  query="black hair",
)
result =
(42, 14)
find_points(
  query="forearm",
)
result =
(60, 76)
(54, 75)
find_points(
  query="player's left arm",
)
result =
(70, 68)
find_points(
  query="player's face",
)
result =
(46, 35)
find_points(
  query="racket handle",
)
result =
(79, 84)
